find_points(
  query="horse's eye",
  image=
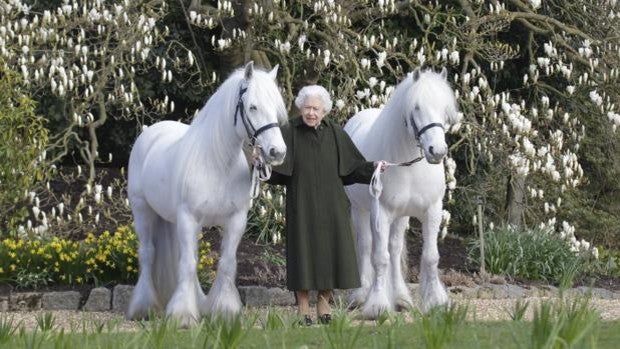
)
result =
(253, 108)
(417, 107)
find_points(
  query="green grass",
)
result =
(558, 324)
(505, 334)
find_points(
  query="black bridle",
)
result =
(251, 131)
(418, 133)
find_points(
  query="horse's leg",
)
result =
(223, 298)
(400, 293)
(363, 237)
(432, 290)
(183, 305)
(378, 300)
(144, 298)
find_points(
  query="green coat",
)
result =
(320, 250)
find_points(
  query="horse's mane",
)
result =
(211, 135)
(430, 87)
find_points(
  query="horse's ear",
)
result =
(444, 73)
(416, 74)
(249, 70)
(274, 72)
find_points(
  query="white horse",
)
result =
(183, 177)
(411, 126)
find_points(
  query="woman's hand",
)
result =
(382, 164)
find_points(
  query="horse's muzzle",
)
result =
(435, 155)
(275, 155)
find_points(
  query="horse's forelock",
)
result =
(268, 93)
(432, 87)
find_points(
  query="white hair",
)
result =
(314, 91)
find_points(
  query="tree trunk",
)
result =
(515, 197)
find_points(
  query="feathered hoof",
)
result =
(403, 303)
(227, 308)
(185, 320)
(182, 309)
(355, 303)
(142, 310)
(436, 301)
(373, 310)
(357, 298)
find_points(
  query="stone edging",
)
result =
(117, 299)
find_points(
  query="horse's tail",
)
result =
(165, 264)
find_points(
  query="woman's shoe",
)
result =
(325, 319)
(306, 321)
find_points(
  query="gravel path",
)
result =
(478, 309)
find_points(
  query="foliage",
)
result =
(340, 332)
(441, 324)
(107, 258)
(69, 206)
(273, 320)
(564, 324)
(518, 311)
(8, 326)
(45, 321)
(594, 209)
(223, 332)
(163, 333)
(23, 138)
(266, 217)
(609, 263)
(531, 80)
(90, 62)
(537, 254)
(537, 83)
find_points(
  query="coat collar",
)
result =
(298, 121)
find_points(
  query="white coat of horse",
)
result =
(416, 116)
(183, 177)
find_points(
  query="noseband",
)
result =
(251, 131)
(261, 171)
(423, 129)
(376, 186)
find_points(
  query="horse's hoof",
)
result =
(355, 303)
(435, 303)
(137, 316)
(185, 320)
(357, 298)
(372, 312)
(138, 313)
(403, 305)
(403, 301)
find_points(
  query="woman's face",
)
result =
(312, 111)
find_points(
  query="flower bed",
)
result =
(107, 258)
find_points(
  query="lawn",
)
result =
(555, 325)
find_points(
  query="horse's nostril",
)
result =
(430, 150)
(274, 153)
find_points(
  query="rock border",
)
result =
(117, 299)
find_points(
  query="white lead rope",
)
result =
(376, 186)
(261, 171)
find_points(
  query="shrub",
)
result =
(23, 138)
(537, 254)
(108, 258)
(266, 217)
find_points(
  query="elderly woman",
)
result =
(320, 160)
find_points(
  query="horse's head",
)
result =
(431, 112)
(261, 109)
